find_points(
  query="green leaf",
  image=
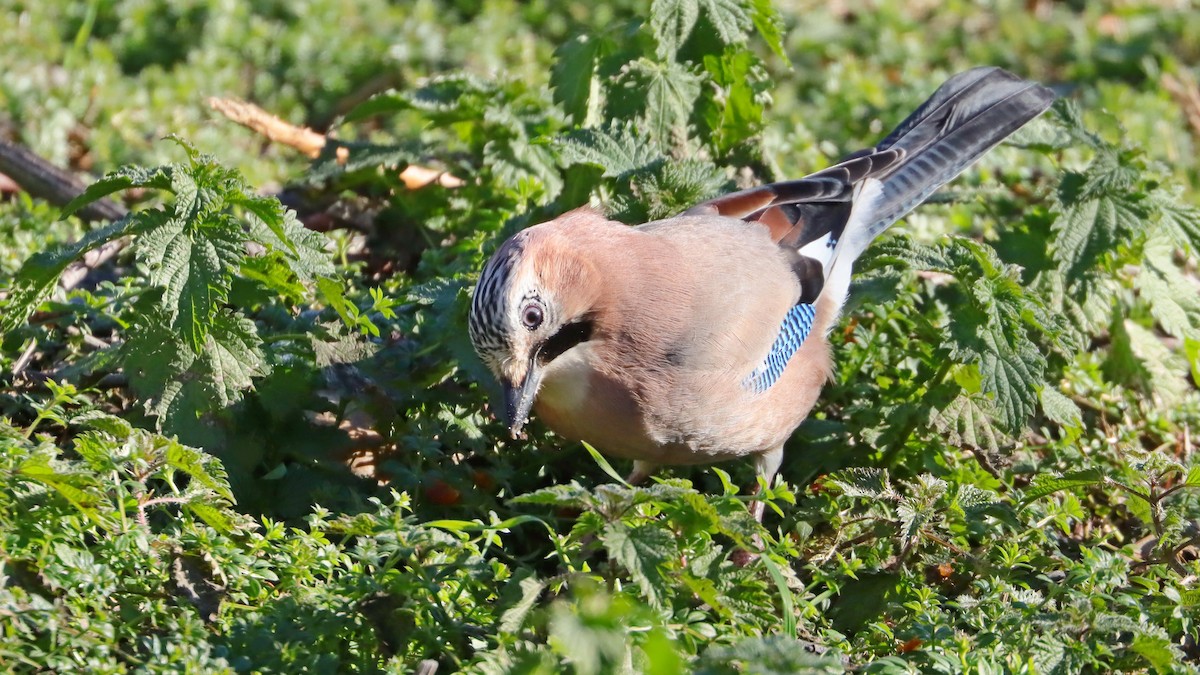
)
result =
(277, 228)
(1100, 209)
(215, 517)
(1012, 376)
(967, 421)
(737, 114)
(530, 589)
(159, 178)
(1157, 650)
(1180, 220)
(197, 465)
(869, 483)
(193, 263)
(671, 22)
(39, 274)
(1061, 410)
(233, 356)
(617, 149)
(661, 94)
(573, 76)
(769, 24)
(1170, 295)
(76, 488)
(643, 550)
(729, 18)
(1044, 484)
(571, 496)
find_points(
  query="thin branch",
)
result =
(312, 143)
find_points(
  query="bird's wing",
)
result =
(968, 115)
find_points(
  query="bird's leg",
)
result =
(641, 471)
(765, 465)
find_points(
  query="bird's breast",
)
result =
(582, 401)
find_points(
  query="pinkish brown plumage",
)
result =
(701, 338)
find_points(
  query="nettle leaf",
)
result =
(676, 186)
(216, 518)
(233, 356)
(1173, 298)
(769, 24)
(513, 161)
(869, 483)
(572, 496)
(159, 178)
(643, 550)
(617, 149)
(193, 262)
(1100, 209)
(1061, 410)
(1138, 358)
(573, 76)
(661, 94)
(1044, 484)
(39, 274)
(967, 421)
(1178, 219)
(277, 228)
(729, 18)
(1013, 377)
(737, 114)
(671, 22)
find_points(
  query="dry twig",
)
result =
(312, 143)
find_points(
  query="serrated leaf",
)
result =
(729, 18)
(1138, 358)
(1157, 650)
(1044, 484)
(769, 24)
(101, 421)
(573, 496)
(196, 464)
(737, 114)
(1060, 409)
(1012, 376)
(158, 178)
(1100, 208)
(277, 228)
(967, 422)
(233, 356)
(72, 486)
(41, 271)
(193, 264)
(617, 149)
(1173, 298)
(865, 482)
(1180, 220)
(643, 550)
(661, 94)
(573, 76)
(530, 588)
(516, 160)
(672, 21)
(214, 517)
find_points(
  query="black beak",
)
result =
(518, 398)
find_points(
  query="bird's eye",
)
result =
(531, 316)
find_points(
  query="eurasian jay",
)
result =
(702, 337)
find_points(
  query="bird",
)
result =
(701, 338)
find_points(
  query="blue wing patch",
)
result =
(796, 326)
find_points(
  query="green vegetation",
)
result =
(258, 439)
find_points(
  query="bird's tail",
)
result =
(967, 116)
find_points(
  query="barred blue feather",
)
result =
(796, 327)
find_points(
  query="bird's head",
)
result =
(533, 303)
